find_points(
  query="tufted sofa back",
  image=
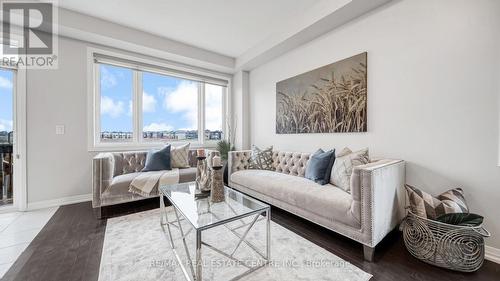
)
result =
(291, 163)
(239, 160)
(134, 161)
(128, 162)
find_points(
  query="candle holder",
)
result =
(202, 174)
(217, 184)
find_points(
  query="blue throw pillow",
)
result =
(158, 160)
(320, 166)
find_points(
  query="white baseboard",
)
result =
(7, 209)
(492, 254)
(59, 201)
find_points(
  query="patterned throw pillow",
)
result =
(425, 205)
(344, 163)
(261, 159)
(179, 156)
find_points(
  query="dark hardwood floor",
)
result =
(69, 248)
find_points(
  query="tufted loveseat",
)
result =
(367, 214)
(112, 173)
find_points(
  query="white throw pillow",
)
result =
(342, 167)
(343, 152)
(179, 156)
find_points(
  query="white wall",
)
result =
(58, 165)
(432, 95)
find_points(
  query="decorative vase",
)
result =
(217, 194)
(202, 175)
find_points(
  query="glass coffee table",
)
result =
(202, 214)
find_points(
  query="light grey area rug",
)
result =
(136, 248)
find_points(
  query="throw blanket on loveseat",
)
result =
(146, 183)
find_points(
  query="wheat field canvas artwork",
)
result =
(329, 99)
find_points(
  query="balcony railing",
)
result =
(6, 169)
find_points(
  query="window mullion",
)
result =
(137, 107)
(201, 113)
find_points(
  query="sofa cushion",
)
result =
(342, 168)
(120, 184)
(187, 175)
(262, 159)
(320, 165)
(327, 201)
(157, 160)
(425, 205)
(179, 156)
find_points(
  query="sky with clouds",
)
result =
(169, 103)
(6, 100)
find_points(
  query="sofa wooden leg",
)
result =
(369, 253)
(98, 212)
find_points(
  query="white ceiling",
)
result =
(228, 27)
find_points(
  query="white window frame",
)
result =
(137, 143)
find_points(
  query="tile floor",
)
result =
(17, 230)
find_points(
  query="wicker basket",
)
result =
(459, 248)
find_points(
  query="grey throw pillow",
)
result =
(342, 168)
(262, 159)
(320, 165)
(158, 160)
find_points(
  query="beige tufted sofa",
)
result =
(112, 173)
(374, 207)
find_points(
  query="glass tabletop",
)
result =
(202, 213)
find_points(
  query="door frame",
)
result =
(20, 186)
(19, 180)
(19, 140)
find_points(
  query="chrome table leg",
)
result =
(163, 215)
(198, 276)
(190, 261)
(268, 234)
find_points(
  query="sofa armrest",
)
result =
(102, 175)
(378, 197)
(238, 160)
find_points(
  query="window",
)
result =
(169, 108)
(139, 104)
(116, 88)
(6, 105)
(213, 112)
